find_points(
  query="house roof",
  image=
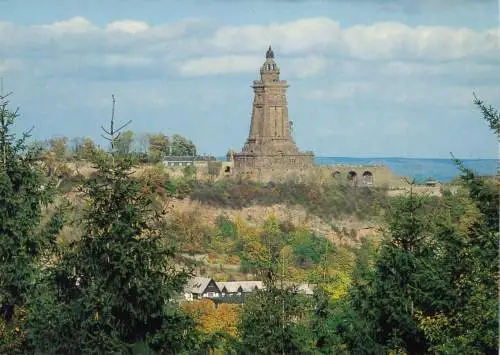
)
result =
(229, 287)
(246, 286)
(197, 284)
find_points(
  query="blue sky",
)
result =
(370, 78)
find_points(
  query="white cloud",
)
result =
(220, 65)
(231, 64)
(76, 24)
(304, 67)
(128, 26)
(340, 91)
(381, 40)
(384, 40)
(389, 60)
(304, 47)
(292, 37)
(82, 35)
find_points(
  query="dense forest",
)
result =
(97, 264)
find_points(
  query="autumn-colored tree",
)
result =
(82, 148)
(187, 230)
(88, 148)
(272, 320)
(59, 147)
(212, 319)
(123, 143)
(182, 146)
(159, 147)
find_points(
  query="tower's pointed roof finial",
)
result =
(269, 53)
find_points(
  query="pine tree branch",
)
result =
(104, 129)
(467, 174)
(490, 114)
(3, 97)
(123, 126)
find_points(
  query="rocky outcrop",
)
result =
(346, 231)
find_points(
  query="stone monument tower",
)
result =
(270, 147)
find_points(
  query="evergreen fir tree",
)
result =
(273, 320)
(470, 322)
(389, 299)
(435, 283)
(23, 242)
(114, 289)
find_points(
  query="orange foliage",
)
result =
(211, 319)
(189, 230)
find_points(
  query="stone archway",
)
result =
(352, 177)
(368, 178)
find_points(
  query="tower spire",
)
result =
(270, 53)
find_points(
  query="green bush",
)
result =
(170, 187)
(71, 182)
(309, 248)
(227, 227)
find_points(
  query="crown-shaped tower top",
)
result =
(270, 53)
(269, 71)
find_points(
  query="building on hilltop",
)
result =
(270, 153)
(186, 160)
(270, 147)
